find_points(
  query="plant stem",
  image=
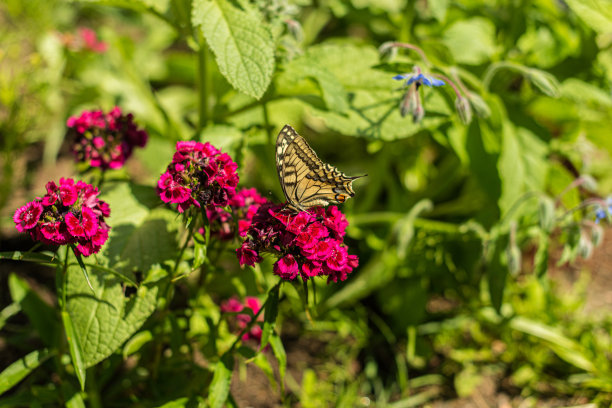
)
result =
(494, 68)
(202, 84)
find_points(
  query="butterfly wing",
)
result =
(307, 181)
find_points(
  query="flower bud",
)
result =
(463, 109)
(544, 81)
(479, 105)
(387, 51)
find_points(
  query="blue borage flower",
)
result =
(602, 213)
(419, 78)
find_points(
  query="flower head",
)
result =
(307, 244)
(70, 213)
(603, 212)
(234, 305)
(199, 175)
(105, 140)
(85, 39)
(419, 78)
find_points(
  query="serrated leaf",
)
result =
(18, 370)
(74, 345)
(142, 234)
(102, 322)
(270, 314)
(332, 91)
(218, 390)
(242, 44)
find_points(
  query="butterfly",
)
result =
(305, 179)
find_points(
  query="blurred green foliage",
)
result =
(457, 224)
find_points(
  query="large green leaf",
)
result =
(242, 44)
(141, 235)
(141, 240)
(597, 14)
(373, 96)
(471, 41)
(104, 320)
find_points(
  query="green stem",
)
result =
(267, 123)
(497, 66)
(202, 84)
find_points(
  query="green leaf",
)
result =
(42, 316)
(373, 108)
(597, 14)
(30, 256)
(18, 370)
(566, 348)
(332, 91)
(142, 235)
(136, 342)
(262, 362)
(540, 261)
(270, 314)
(279, 352)
(218, 390)
(497, 271)
(103, 321)
(471, 41)
(242, 44)
(74, 345)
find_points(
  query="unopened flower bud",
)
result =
(463, 109)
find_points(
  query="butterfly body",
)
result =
(307, 181)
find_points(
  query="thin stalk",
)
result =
(495, 67)
(202, 84)
(267, 124)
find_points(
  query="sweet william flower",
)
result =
(104, 140)
(199, 175)
(306, 244)
(69, 213)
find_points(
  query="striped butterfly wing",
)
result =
(307, 181)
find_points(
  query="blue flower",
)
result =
(420, 79)
(602, 213)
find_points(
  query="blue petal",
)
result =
(437, 82)
(399, 77)
(600, 214)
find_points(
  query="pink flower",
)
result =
(27, 217)
(308, 243)
(198, 175)
(90, 40)
(68, 214)
(104, 140)
(247, 256)
(286, 267)
(171, 191)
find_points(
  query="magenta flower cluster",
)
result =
(105, 140)
(244, 204)
(70, 213)
(233, 305)
(199, 175)
(307, 244)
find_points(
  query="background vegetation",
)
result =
(460, 225)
